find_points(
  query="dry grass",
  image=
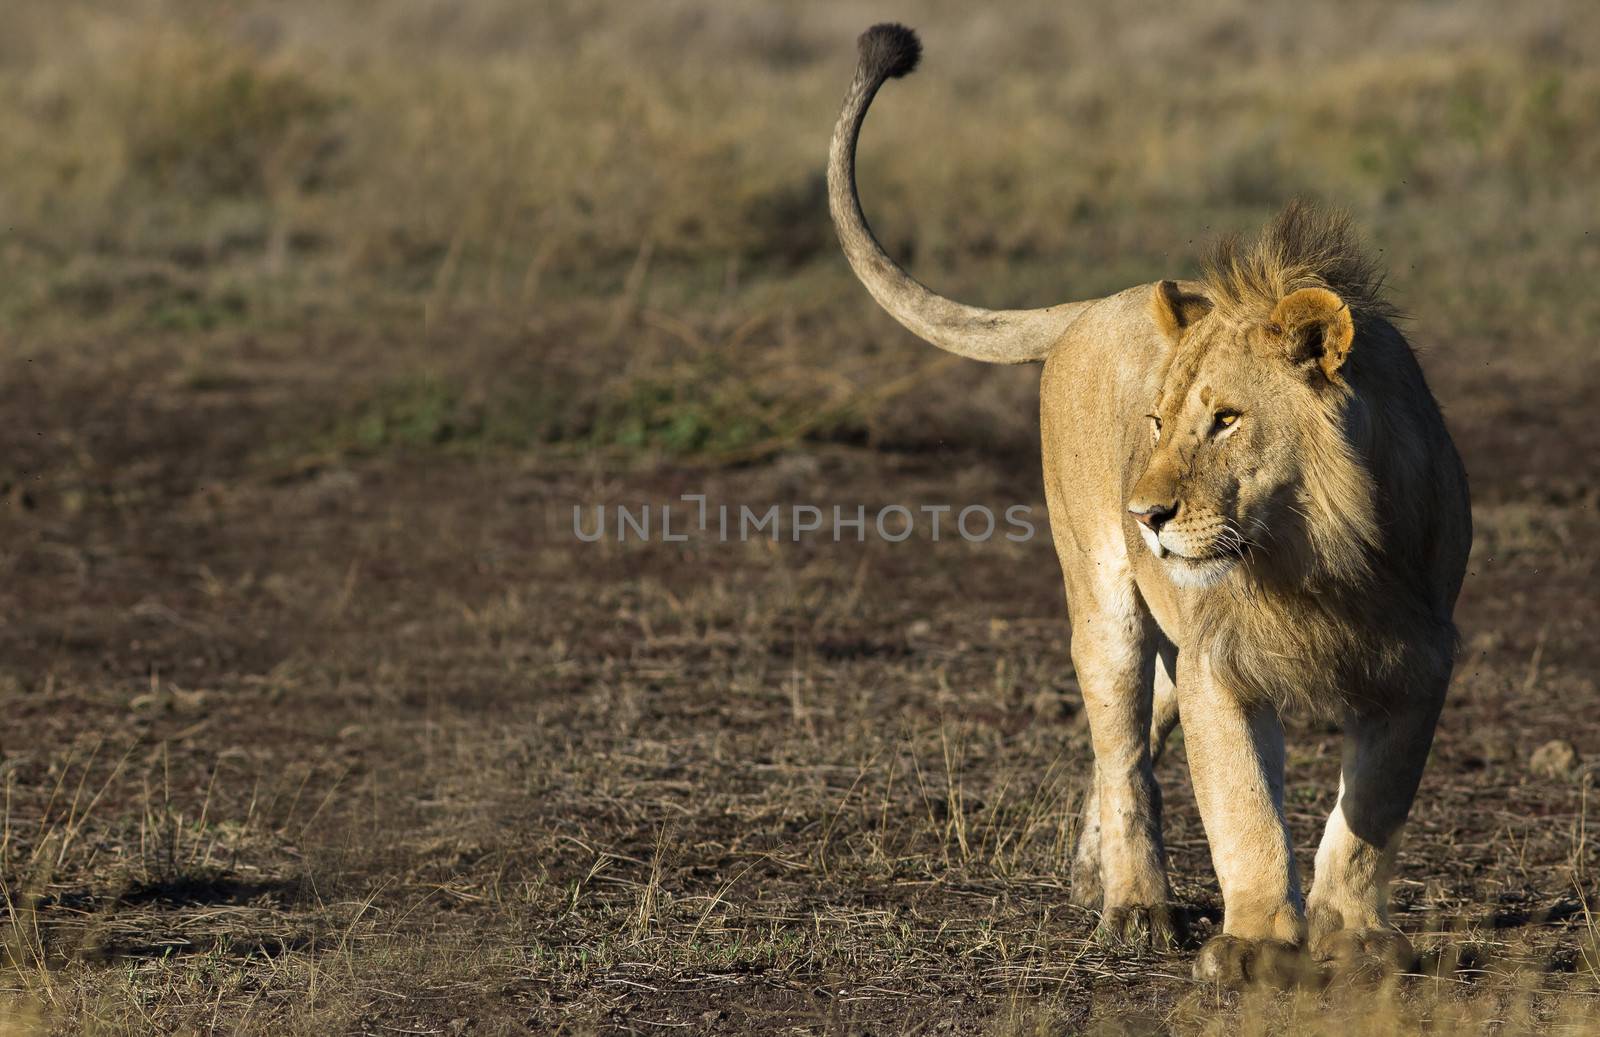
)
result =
(320, 318)
(730, 787)
(176, 167)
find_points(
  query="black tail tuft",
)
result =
(889, 51)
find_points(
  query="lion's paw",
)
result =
(1141, 927)
(1364, 955)
(1235, 962)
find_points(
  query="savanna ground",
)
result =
(318, 319)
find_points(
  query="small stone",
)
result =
(1554, 759)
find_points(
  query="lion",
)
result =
(1257, 509)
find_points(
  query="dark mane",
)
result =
(1303, 247)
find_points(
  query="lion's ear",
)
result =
(1174, 309)
(1316, 328)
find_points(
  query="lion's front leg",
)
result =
(1236, 764)
(1384, 754)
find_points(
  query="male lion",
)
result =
(1256, 506)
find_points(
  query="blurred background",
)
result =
(318, 318)
(539, 174)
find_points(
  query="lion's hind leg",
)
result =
(1120, 865)
(1086, 889)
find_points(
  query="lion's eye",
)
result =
(1155, 425)
(1225, 420)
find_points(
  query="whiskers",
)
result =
(1232, 540)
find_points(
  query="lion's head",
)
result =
(1256, 433)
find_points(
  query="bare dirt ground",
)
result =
(317, 319)
(378, 745)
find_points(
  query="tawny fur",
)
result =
(1304, 247)
(1303, 529)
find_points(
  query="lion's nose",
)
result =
(1153, 516)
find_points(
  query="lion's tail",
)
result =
(996, 336)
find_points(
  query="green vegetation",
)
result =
(298, 166)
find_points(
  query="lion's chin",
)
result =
(1199, 573)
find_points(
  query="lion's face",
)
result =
(1230, 431)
